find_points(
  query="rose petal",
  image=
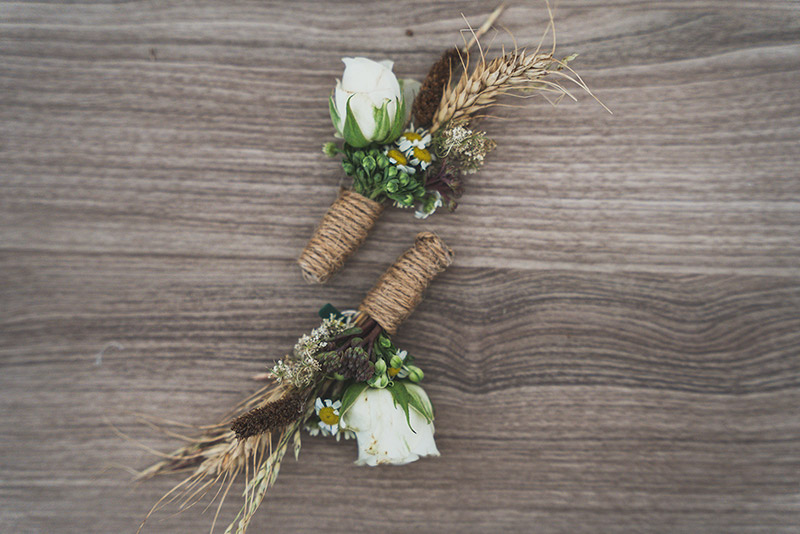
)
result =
(360, 74)
(362, 109)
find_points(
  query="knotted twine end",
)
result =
(400, 288)
(341, 231)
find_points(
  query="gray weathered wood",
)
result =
(616, 349)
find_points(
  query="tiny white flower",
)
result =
(422, 213)
(328, 413)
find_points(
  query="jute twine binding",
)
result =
(400, 288)
(342, 230)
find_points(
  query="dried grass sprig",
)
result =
(219, 457)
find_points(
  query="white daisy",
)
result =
(399, 160)
(414, 146)
(328, 413)
(419, 138)
(420, 157)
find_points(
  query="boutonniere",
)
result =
(411, 145)
(345, 379)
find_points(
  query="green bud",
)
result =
(415, 374)
(382, 161)
(330, 150)
(369, 163)
(396, 361)
(392, 186)
(391, 171)
(378, 381)
(358, 155)
(380, 367)
(385, 341)
(348, 167)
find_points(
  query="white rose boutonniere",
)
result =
(369, 103)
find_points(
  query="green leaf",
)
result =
(328, 310)
(401, 397)
(351, 132)
(422, 405)
(350, 332)
(335, 117)
(350, 395)
(399, 121)
(383, 124)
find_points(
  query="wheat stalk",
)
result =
(518, 71)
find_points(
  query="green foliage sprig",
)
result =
(376, 178)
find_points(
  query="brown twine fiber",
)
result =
(342, 230)
(400, 288)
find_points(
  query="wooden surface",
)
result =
(616, 348)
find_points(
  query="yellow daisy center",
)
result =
(393, 371)
(422, 154)
(328, 415)
(412, 136)
(397, 156)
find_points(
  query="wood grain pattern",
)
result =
(616, 348)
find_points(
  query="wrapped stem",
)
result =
(342, 230)
(400, 288)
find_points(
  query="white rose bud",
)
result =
(369, 104)
(383, 434)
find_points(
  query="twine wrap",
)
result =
(400, 288)
(342, 230)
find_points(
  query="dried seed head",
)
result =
(430, 94)
(356, 365)
(271, 416)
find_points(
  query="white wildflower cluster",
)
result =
(311, 343)
(300, 368)
(464, 147)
